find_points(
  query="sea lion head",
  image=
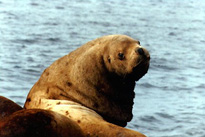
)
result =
(126, 58)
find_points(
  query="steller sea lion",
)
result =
(18, 122)
(7, 107)
(95, 83)
(38, 123)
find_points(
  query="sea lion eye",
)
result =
(121, 56)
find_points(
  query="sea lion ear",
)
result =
(108, 58)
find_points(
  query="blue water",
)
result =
(170, 99)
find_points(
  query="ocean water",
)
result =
(170, 98)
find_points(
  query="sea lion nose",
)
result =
(143, 52)
(140, 51)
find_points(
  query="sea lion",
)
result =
(99, 76)
(38, 123)
(7, 107)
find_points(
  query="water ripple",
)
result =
(164, 115)
(149, 119)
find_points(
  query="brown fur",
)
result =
(95, 76)
(7, 107)
(38, 123)
(92, 124)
